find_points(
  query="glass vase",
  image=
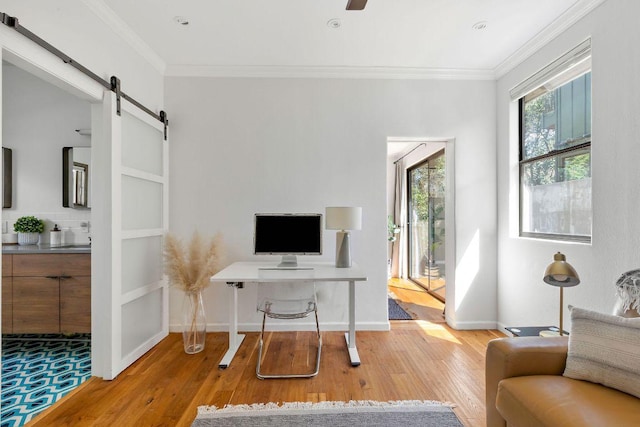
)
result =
(194, 324)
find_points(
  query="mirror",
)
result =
(76, 177)
(7, 177)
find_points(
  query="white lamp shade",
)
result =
(343, 218)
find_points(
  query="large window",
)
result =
(555, 157)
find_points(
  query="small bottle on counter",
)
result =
(55, 236)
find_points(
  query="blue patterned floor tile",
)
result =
(38, 370)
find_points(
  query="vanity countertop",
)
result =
(46, 249)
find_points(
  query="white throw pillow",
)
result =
(604, 349)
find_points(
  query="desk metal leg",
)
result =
(235, 339)
(351, 335)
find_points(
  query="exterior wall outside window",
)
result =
(555, 161)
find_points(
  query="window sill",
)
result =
(583, 240)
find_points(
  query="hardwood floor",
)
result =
(418, 359)
(415, 300)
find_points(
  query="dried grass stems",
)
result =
(190, 269)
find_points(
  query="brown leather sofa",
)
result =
(525, 387)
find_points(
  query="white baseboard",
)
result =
(291, 326)
(462, 326)
(337, 326)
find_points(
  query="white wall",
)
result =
(39, 120)
(237, 142)
(523, 299)
(241, 146)
(72, 27)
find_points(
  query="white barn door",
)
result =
(138, 219)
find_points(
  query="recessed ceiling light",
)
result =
(181, 20)
(334, 23)
(480, 25)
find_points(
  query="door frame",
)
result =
(451, 260)
(35, 60)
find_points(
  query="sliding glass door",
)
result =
(426, 224)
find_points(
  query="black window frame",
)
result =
(578, 147)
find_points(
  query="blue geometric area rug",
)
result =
(405, 413)
(38, 370)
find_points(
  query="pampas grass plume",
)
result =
(190, 269)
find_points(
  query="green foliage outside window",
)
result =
(557, 120)
(555, 161)
(427, 204)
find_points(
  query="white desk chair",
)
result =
(287, 301)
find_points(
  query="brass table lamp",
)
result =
(561, 274)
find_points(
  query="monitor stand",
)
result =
(288, 261)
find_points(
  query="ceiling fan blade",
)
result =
(356, 4)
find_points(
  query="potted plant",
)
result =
(392, 229)
(28, 229)
(189, 270)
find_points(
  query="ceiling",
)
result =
(422, 37)
(319, 38)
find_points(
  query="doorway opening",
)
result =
(46, 287)
(426, 225)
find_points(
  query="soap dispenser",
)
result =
(55, 236)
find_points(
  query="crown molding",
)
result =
(328, 72)
(558, 26)
(109, 17)
(576, 12)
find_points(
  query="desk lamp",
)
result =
(561, 274)
(343, 219)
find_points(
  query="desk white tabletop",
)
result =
(267, 272)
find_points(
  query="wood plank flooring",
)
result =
(418, 359)
(415, 300)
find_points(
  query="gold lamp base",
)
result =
(548, 333)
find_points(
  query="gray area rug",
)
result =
(405, 413)
(396, 312)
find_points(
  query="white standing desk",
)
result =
(238, 273)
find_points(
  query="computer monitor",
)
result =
(288, 235)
